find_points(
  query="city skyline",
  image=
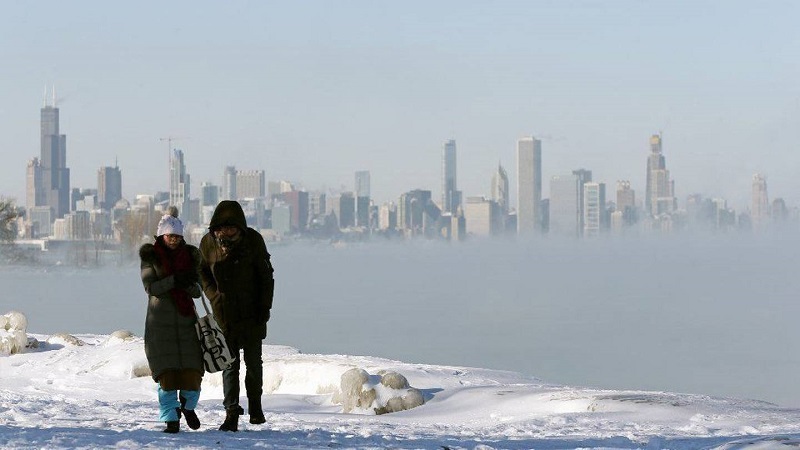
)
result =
(48, 181)
(312, 104)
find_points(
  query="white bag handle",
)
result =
(205, 306)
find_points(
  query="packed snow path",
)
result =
(99, 395)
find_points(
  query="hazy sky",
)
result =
(314, 91)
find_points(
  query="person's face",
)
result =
(227, 232)
(172, 240)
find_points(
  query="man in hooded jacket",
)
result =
(237, 279)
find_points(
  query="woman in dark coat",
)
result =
(170, 271)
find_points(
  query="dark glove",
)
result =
(185, 279)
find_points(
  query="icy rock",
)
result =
(352, 388)
(32, 343)
(412, 399)
(16, 321)
(142, 369)
(65, 339)
(394, 380)
(120, 337)
(385, 393)
(13, 338)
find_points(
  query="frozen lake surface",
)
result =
(684, 315)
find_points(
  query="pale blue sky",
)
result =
(314, 91)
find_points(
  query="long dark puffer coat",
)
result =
(239, 283)
(170, 339)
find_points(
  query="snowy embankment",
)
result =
(96, 392)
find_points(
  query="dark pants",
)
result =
(253, 377)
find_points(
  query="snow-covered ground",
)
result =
(98, 395)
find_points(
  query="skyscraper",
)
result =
(659, 195)
(109, 186)
(760, 208)
(362, 198)
(411, 211)
(34, 192)
(451, 198)
(500, 189)
(345, 209)
(179, 186)
(387, 217)
(249, 184)
(584, 176)
(53, 189)
(317, 203)
(362, 183)
(564, 205)
(209, 195)
(594, 208)
(298, 203)
(483, 217)
(229, 183)
(529, 185)
(626, 202)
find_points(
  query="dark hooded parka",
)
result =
(238, 281)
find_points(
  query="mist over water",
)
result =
(710, 315)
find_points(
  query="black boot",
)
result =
(254, 408)
(189, 415)
(173, 426)
(231, 422)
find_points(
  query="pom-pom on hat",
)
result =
(169, 224)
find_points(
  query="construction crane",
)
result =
(169, 140)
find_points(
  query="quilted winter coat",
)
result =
(170, 339)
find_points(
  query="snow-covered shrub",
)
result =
(65, 339)
(13, 338)
(383, 393)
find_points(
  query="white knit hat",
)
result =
(169, 225)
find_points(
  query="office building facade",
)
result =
(109, 186)
(451, 198)
(529, 185)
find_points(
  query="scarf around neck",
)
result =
(172, 262)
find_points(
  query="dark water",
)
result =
(713, 316)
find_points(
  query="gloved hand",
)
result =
(185, 279)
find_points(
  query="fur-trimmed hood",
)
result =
(147, 252)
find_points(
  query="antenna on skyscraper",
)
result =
(169, 140)
(54, 95)
(44, 97)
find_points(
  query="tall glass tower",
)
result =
(109, 186)
(179, 192)
(659, 196)
(500, 188)
(53, 189)
(529, 185)
(760, 208)
(362, 191)
(450, 196)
